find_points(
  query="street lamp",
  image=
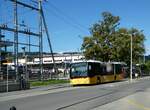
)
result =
(131, 48)
(131, 51)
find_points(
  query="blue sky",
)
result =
(69, 20)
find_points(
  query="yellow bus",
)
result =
(95, 72)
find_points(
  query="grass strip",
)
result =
(48, 82)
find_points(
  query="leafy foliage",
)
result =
(147, 65)
(108, 42)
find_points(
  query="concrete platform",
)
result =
(137, 101)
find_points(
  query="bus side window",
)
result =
(109, 69)
(89, 67)
(103, 72)
(96, 68)
(118, 69)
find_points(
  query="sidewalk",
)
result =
(137, 101)
(39, 90)
(34, 89)
(57, 86)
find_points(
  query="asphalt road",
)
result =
(76, 98)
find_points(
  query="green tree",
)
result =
(108, 42)
(146, 67)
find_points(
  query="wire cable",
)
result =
(65, 20)
(67, 16)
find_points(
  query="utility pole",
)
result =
(16, 39)
(0, 51)
(39, 35)
(49, 41)
(40, 39)
(131, 57)
(26, 32)
(7, 82)
(29, 41)
(25, 63)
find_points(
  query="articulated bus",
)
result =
(95, 72)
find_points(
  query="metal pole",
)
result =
(131, 58)
(0, 52)
(143, 58)
(16, 39)
(40, 39)
(7, 78)
(29, 43)
(25, 63)
(29, 67)
(26, 68)
(49, 42)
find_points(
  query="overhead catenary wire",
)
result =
(66, 15)
(8, 9)
(65, 18)
(59, 14)
(4, 8)
(21, 13)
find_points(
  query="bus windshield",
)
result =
(79, 70)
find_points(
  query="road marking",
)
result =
(110, 85)
(138, 105)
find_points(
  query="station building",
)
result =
(62, 61)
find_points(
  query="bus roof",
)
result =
(96, 61)
(91, 61)
(123, 63)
